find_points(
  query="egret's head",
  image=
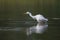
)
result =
(27, 13)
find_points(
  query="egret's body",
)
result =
(38, 17)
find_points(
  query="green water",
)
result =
(12, 17)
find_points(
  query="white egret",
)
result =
(39, 17)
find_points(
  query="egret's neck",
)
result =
(31, 15)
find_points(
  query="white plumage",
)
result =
(38, 17)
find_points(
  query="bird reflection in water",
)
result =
(39, 28)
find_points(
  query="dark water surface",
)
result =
(19, 32)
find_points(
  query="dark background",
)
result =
(15, 9)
